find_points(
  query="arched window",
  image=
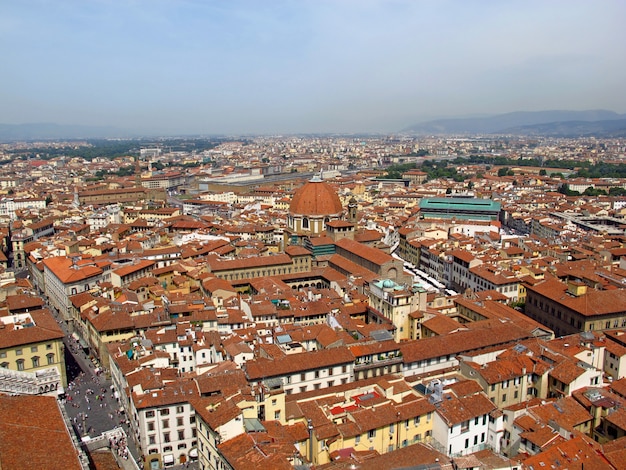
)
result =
(305, 223)
(50, 358)
(20, 364)
(35, 360)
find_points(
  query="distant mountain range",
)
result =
(50, 131)
(599, 123)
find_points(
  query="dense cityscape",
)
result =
(314, 302)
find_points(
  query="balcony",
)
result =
(371, 362)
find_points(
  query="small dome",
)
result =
(315, 198)
(388, 283)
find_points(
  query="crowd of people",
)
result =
(118, 445)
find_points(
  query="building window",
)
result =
(3, 354)
(166, 437)
(18, 352)
(48, 346)
(150, 414)
(181, 434)
(33, 349)
(371, 434)
(150, 425)
(50, 358)
(180, 409)
(165, 423)
(4, 365)
(179, 421)
(35, 360)
(165, 411)
(20, 364)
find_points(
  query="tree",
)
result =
(594, 192)
(543, 172)
(503, 171)
(563, 189)
(617, 192)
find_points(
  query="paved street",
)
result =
(90, 400)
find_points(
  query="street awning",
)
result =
(168, 458)
(193, 453)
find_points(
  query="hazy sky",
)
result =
(278, 66)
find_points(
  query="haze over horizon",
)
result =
(208, 67)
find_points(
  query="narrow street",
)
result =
(91, 403)
(90, 399)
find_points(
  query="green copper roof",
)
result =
(459, 203)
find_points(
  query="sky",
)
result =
(304, 66)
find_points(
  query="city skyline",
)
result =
(291, 67)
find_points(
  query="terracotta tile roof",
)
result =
(134, 267)
(45, 328)
(615, 451)
(618, 419)
(215, 411)
(373, 255)
(171, 393)
(462, 341)
(33, 435)
(218, 265)
(262, 368)
(577, 453)
(63, 269)
(594, 302)
(22, 302)
(566, 412)
(455, 410)
(258, 450)
(619, 387)
(566, 371)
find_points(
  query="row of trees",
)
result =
(446, 168)
(102, 148)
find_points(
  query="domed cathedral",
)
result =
(312, 207)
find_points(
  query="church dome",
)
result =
(315, 198)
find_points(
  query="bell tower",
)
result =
(352, 207)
